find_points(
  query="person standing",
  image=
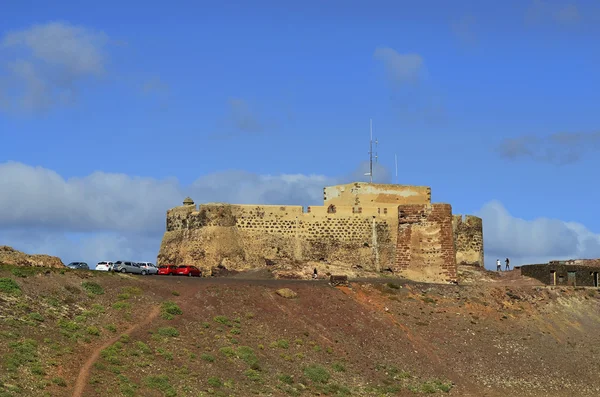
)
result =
(498, 265)
(507, 264)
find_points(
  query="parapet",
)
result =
(467, 220)
(374, 194)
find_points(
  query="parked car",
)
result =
(148, 268)
(104, 266)
(78, 265)
(127, 267)
(167, 270)
(190, 271)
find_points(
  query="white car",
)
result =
(104, 266)
(149, 267)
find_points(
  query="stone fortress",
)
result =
(362, 229)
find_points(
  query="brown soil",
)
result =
(84, 372)
(499, 336)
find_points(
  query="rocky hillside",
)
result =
(80, 333)
(11, 256)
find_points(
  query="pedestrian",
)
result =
(507, 264)
(498, 265)
(315, 273)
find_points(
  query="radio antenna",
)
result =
(370, 173)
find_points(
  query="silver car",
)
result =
(148, 268)
(127, 267)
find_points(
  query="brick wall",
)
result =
(425, 243)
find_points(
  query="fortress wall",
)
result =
(468, 239)
(279, 233)
(372, 194)
(425, 243)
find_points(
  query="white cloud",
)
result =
(77, 49)
(401, 68)
(116, 216)
(48, 62)
(559, 148)
(104, 216)
(533, 241)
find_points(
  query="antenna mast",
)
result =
(370, 173)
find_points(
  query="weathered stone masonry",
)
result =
(369, 226)
(468, 239)
(425, 246)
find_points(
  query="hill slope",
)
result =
(88, 333)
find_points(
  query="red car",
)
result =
(190, 271)
(167, 269)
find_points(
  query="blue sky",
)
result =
(492, 105)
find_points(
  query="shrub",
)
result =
(253, 375)
(282, 343)
(286, 379)
(168, 331)
(338, 367)
(160, 383)
(222, 320)
(144, 348)
(227, 351)
(111, 353)
(91, 330)
(22, 352)
(92, 287)
(207, 357)
(246, 354)
(133, 291)
(215, 382)
(393, 285)
(110, 327)
(23, 271)
(434, 386)
(59, 381)
(175, 293)
(169, 310)
(36, 316)
(166, 354)
(316, 373)
(9, 286)
(121, 305)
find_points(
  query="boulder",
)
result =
(10, 256)
(286, 293)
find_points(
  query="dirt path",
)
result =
(84, 372)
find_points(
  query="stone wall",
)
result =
(468, 238)
(425, 243)
(256, 235)
(373, 194)
(360, 226)
(563, 274)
